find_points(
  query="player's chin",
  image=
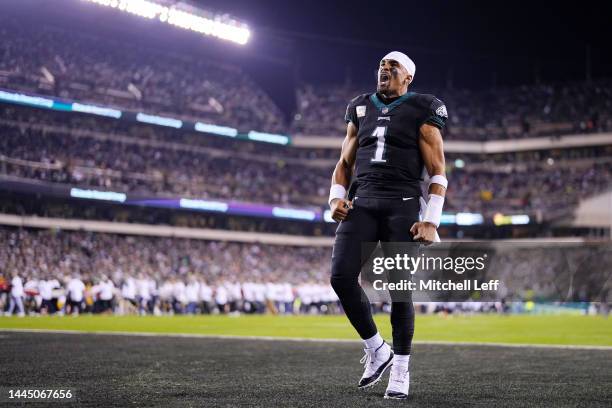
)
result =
(381, 87)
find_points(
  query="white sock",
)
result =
(373, 342)
(402, 360)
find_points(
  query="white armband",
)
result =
(438, 179)
(433, 212)
(336, 191)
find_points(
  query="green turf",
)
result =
(537, 329)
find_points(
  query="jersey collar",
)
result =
(387, 108)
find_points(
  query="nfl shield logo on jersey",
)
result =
(441, 111)
(385, 110)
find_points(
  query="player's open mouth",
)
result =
(383, 79)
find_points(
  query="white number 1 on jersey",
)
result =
(379, 133)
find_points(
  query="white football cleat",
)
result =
(399, 382)
(375, 361)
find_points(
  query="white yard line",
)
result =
(306, 339)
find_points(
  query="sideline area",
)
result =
(528, 330)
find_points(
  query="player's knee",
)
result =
(337, 283)
(343, 285)
(402, 312)
(344, 275)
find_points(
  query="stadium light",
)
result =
(97, 195)
(159, 120)
(183, 15)
(205, 205)
(268, 137)
(459, 163)
(217, 130)
(518, 219)
(294, 213)
(26, 99)
(96, 110)
(463, 218)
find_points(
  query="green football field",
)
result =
(516, 329)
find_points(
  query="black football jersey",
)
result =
(389, 162)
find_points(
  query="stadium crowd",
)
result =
(65, 272)
(85, 124)
(141, 168)
(495, 113)
(103, 273)
(136, 158)
(53, 61)
(506, 183)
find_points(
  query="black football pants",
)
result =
(373, 220)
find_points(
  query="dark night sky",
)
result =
(476, 40)
(475, 43)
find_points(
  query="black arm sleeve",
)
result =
(437, 114)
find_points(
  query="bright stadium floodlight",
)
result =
(185, 16)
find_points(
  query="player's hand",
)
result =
(340, 209)
(423, 232)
